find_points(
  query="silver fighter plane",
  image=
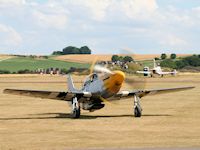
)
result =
(97, 88)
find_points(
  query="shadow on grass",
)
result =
(68, 116)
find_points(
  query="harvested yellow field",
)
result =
(4, 57)
(92, 57)
(170, 120)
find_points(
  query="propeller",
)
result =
(100, 69)
(133, 81)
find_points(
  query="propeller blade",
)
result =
(138, 83)
(92, 65)
(127, 51)
(102, 69)
(105, 100)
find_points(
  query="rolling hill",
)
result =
(15, 64)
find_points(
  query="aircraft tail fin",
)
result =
(70, 83)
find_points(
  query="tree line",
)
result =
(116, 58)
(164, 56)
(73, 50)
(193, 61)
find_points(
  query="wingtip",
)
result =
(5, 90)
(189, 87)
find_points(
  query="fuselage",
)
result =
(157, 70)
(104, 85)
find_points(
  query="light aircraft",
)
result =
(156, 70)
(101, 86)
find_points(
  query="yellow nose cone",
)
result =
(119, 77)
(114, 83)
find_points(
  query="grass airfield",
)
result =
(170, 120)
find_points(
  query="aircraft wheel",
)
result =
(137, 111)
(76, 113)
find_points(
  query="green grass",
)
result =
(148, 63)
(20, 63)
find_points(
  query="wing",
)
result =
(165, 73)
(142, 93)
(65, 96)
(143, 72)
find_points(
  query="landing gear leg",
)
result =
(76, 111)
(137, 107)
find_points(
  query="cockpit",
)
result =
(91, 78)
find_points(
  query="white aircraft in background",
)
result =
(156, 70)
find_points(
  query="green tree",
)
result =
(115, 58)
(57, 53)
(127, 59)
(173, 56)
(71, 50)
(180, 64)
(163, 56)
(4, 72)
(121, 58)
(85, 50)
(168, 63)
(192, 60)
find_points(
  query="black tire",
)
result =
(137, 112)
(76, 113)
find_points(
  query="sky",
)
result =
(106, 26)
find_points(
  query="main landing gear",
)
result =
(137, 106)
(76, 110)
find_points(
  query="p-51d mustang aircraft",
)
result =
(156, 70)
(96, 89)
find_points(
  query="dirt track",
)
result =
(171, 120)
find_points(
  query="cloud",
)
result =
(9, 37)
(171, 40)
(100, 10)
(11, 2)
(138, 8)
(57, 21)
(102, 24)
(97, 8)
(92, 9)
